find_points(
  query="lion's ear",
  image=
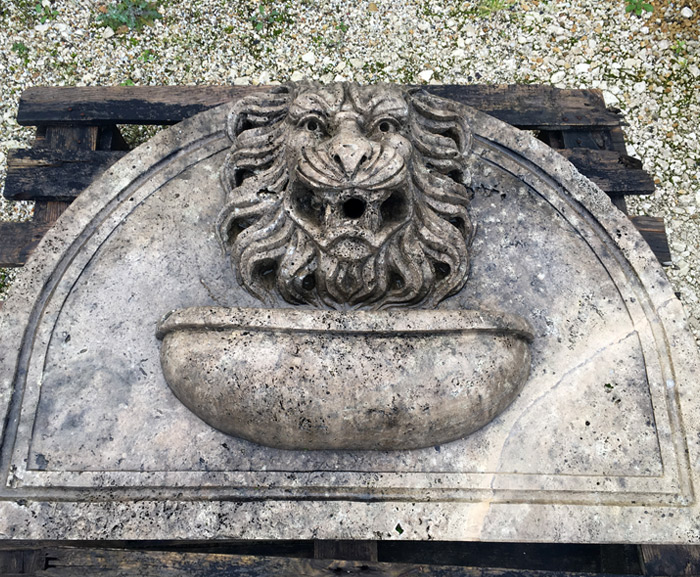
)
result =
(257, 110)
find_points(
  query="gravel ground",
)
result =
(648, 66)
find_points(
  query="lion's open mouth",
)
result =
(368, 218)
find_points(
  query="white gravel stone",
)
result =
(309, 58)
(610, 99)
(426, 75)
(687, 12)
(557, 77)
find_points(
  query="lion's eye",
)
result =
(387, 126)
(312, 125)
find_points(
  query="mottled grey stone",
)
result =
(600, 445)
(305, 379)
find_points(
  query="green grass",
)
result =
(270, 21)
(130, 14)
(638, 6)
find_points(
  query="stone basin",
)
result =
(309, 379)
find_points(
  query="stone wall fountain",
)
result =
(332, 269)
(352, 201)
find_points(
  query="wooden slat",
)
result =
(18, 240)
(20, 563)
(535, 107)
(671, 559)
(67, 562)
(121, 104)
(617, 140)
(618, 559)
(242, 547)
(60, 137)
(615, 173)
(47, 174)
(593, 139)
(654, 232)
(346, 550)
(49, 211)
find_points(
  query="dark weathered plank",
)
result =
(67, 137)
(248, 547)
(615, 173)
(49, 211)
(18, 240)
(16, 563)
(619, 202)
(67, 562)
(571, 557)
(346, 550)
(654, 232)
(47, 174)
(121, 104)
(671, 559)
(63, 138)
(535, 107)
(617, 140)
(593, 139)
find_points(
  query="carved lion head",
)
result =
(346, 196)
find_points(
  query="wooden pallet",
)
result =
(78, 138)
(315, 559)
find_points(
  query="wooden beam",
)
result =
(615, 173)
(346, 550)
(671, 559)
(18, 240)
(48, 174)
(535, 107)
(565, 557)
(21, 562)
(654, 232)
(121, 104)
(68, 562)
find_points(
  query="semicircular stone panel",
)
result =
(598, 443)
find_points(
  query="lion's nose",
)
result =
(350, 155)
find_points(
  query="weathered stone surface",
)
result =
(600, 445)
(304, 379)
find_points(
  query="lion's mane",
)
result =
(420, 265)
